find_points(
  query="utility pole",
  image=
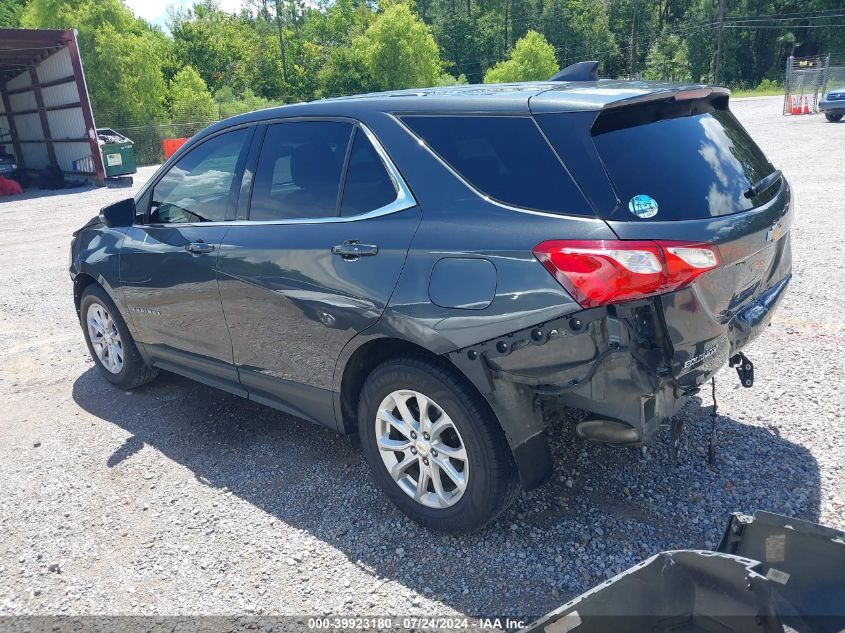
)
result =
(721, 19)
(633, 44)
(507, 41)
(279, 26)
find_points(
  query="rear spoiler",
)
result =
(661, 104)
(682, 93)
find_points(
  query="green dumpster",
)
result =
(118, 153)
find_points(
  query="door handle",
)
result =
(199, 247)
(352, 250)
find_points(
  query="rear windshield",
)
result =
(685, 167)
(505, 158)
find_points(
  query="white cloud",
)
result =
(155, 11)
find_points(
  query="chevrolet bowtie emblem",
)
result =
(774, 232)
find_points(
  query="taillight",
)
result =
(612, 271)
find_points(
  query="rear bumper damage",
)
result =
(632, 366)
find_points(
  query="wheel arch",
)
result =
(361, 364)
(511, 405)
(88, 277)
(80, 283)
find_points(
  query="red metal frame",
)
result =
(87, 113)
(42, 114)
(13, 128)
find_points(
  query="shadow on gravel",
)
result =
(31, 193)
(604, 510)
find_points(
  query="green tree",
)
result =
(398, 50)
(532, 59)
(10, 13)
(221, 47)
(667, 59)
(230, 104)
(123, 56)
(448, 80)
(189, 98)
(346, 73)
(579, 30)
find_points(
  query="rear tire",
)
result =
(465, 464)
(833, 118)
(109, 341)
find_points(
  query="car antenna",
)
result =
(579, 71)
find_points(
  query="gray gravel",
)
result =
(179, 499)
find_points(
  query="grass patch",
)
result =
(767, 88)
(756, 92)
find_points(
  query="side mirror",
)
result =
(118, 214)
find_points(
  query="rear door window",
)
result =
(685, 167)
(299, 170)
(503, 157)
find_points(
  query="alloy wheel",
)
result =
(105, 337)
(422, 448)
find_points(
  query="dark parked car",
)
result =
(833, 105)
(433, 270)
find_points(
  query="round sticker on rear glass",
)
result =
(643, 206)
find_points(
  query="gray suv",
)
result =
(432, 271)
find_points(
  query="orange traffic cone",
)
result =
(795, 108)
(806, 105)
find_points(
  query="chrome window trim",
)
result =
(404, 198)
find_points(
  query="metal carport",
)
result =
(45, 105)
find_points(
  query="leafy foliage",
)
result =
(667, 59)
(399, 51)
(533, 59)
(284, 51)
(189, 98)
(231, 104)
(10, 13)
(122, 55)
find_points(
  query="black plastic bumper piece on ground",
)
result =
(770, 573)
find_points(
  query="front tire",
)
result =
(832, 117)
(109, 341)
(434, 446)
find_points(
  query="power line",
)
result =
(755, 20)
(783, 27)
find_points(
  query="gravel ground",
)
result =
(179, 499)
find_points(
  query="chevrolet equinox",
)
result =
(430, 270)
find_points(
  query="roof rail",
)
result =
(580, 71)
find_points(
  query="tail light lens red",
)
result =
(601, 272)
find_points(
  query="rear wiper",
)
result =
(764, 183)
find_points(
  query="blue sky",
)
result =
(155, 11)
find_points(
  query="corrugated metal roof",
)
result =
(56, 66)
(23, 100)
(66, 123)
(29, 127)
(61, 94)
(21, 48)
